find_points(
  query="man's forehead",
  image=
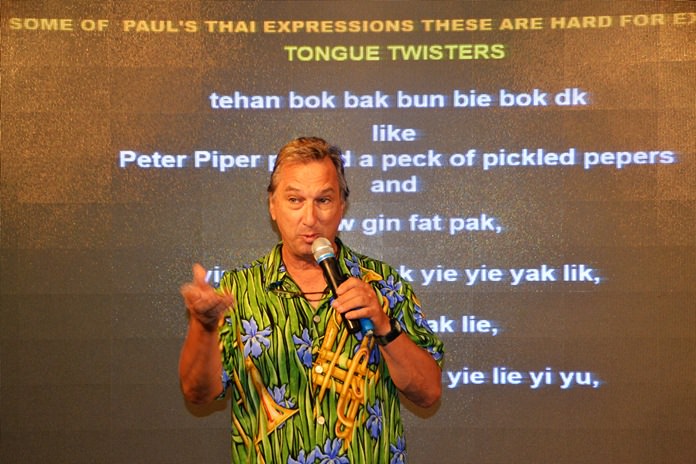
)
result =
(305, 173)
(296, 186)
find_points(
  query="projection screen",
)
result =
(529, 166)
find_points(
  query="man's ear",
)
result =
(271, 207)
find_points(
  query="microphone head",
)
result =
(322, 249)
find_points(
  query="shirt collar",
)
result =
(274, 269)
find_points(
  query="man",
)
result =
(303, 389)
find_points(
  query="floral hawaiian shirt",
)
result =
(303, 389)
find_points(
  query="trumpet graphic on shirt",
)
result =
(348, 382)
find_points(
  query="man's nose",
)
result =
(310, 214)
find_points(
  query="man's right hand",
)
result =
(203, 302)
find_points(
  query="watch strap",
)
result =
(390, 336)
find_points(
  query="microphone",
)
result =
(324, 255)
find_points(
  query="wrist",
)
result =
(384, 338)
(383, 327)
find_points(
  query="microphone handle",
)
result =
(334, 278)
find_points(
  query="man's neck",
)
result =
(306, 273)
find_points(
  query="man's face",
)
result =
(306, 205)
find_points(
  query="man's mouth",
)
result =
(309, 238)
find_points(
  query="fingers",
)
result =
(358, 297)
(199, 275)
(202, 300)
(192, 290)
(190, 293)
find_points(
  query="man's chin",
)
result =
(301, 249)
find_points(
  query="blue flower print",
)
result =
(304, 350)
(435, 354)
(374, 422)
(398, 451)
(390, 290)
(301, 458)
(353, 266)
(278, 394)
(226, 381)
(420, 319)
(331, 452)
(253, 338)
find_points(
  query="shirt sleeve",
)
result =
(400, 302)
(413, 321)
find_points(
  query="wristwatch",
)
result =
(395, 331)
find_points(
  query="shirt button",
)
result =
(318, 369)
(321, 420)
(316, 319)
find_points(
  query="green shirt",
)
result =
(303, 389)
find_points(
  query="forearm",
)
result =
(413, 370)
(200, 364)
